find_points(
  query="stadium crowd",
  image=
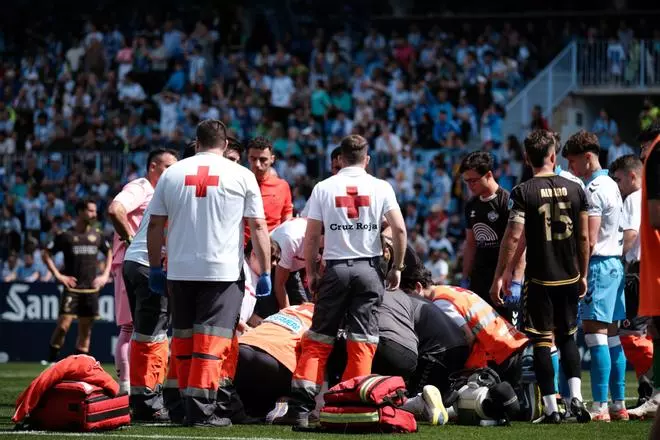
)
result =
(108, 113)
(75, 112)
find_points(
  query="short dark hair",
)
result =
(353, 149)
(156, 153)
(629, 162)
(414, 272)
(650, 133)
(539, 144)
(81, 204)
(479, 161)
(336, 152)
(260, 143)
(211, 133)
(235, 144)
(190, 149)
(580, 143)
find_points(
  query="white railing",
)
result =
(612, 64)
(547, 90)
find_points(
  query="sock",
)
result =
(618, 373)
(575, 388)
(656, 364)
(125, 387)
(79, 351)
(554, 355)
(543, 369)
(599, 406)
(550, 404)
(53, 353)
(414, 405)
(570, 363)
(122, 351)
(600, 365)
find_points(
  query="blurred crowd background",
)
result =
(84, 97)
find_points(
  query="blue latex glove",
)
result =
(264, 285)
(465, 283)
(513, 301)
(157, 280)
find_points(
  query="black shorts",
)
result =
(481, 286)
(550, 310)
(82, 305)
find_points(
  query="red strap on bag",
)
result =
(385, 419)
(369, 390)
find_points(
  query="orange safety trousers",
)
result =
(204, 318)
(149, 345)
(350, 292)
(148, 361)
(639, 352)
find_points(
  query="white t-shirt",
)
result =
(290, 236)
(351, 205)
(249, 297)
(605, 201)
(281, 90)
(32, 210)
(205, 198)
(632, 217)
(137, 250)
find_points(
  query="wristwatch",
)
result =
(400, 268)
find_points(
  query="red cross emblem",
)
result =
(352, 201)
(202, 180)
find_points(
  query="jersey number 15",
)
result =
(552, 213)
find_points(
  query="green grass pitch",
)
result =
(15, 377)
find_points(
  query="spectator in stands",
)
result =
(618, 149)
(605, 128)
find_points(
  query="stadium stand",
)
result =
(83, 101)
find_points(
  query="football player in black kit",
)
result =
(552, 212)
(80, 297)
(486, 217)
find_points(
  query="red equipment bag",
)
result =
(369, 390)
(79, 406)
(384, 419)
(367, 404)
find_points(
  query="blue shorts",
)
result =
(605, 300)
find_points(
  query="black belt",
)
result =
(351, 261)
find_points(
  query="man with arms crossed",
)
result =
(552, 213)
(205, 200)
(637, 346)
(126, 212)
(604, 305)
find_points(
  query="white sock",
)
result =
(599, 406)
(619, 404)
(550, 404)
(575, 387)
(125, 387)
